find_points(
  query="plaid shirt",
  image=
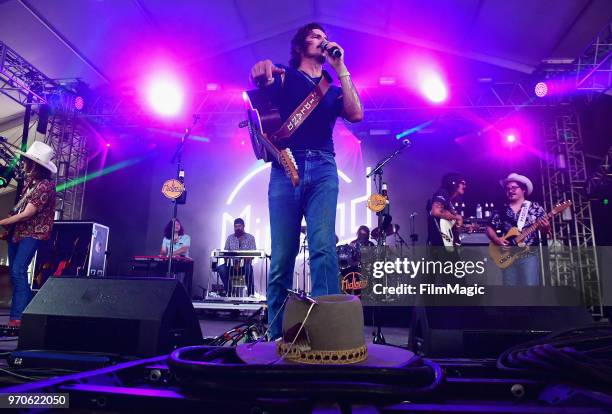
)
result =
(42, 196)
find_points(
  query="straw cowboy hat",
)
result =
(327, 333)
(519, 179)
(40, 153)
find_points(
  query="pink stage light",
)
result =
(79, 103)
(541, 89)
(108, 145)
(510, 138)
(432, 87)
(165, 95)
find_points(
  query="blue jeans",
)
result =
(315, 198)
(20, 255)
(523, 272)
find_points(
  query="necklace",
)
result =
(307, 76)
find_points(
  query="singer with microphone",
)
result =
(311, 143)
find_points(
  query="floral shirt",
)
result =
(502, 221)
(41, 195)
(245, 242)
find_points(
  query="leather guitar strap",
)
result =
(304, 109)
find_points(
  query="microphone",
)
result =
(333, 51)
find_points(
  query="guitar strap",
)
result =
(523, 215)
(303, 110)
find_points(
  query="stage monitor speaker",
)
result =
(487, 331)
(129, 317)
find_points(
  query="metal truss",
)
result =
(396, 104)
(589, 72)
(20, 80)
(68, 141)
(573, 256)
(594, 67)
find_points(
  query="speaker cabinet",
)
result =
(139, 317)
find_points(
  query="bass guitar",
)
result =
(504, 256)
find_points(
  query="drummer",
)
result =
(363, 238)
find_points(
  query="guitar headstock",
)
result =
(288, 162)
(561, 206)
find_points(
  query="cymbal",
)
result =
(391, 229)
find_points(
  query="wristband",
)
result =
(343, 74)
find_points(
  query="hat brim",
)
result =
(526, 182)
(383, 356)
(48, 165)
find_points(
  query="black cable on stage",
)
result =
(219, 369)
(579, 355)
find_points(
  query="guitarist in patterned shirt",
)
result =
(521, 213)
(30, 223)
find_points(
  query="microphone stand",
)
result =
(180, 175)
(384, 219)
(384, 215)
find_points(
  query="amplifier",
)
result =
(75, 248)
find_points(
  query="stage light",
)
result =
(432, 87)
(511, 138)
(606, 201)
(108, 145)
(165, 95)
(79, 103)
(541, 89)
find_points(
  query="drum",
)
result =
(348, 256)
(352, 281)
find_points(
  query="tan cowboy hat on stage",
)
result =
(327, 333)
(519, 179)
(40, 153)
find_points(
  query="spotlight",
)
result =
(433, 88)
(511, 138)
(108, 145)
(165, 95)
(79, 103)
(541, 89)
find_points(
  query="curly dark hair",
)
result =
(450, 181)
(298, 42)
(168, 229)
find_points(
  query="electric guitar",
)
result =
(263, 121)
(450, 233)
(504, 256)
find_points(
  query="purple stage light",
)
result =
(432, 87)
(165, 95)
(108, 145)
(79, 103)
(541, 89)
(511, 138)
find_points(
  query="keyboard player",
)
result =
(239, 240)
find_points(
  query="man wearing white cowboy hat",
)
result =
(30, 222)
(521, 213)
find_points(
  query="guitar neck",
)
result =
(525, 233)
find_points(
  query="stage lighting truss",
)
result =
(576, 263)
(589, 72)
(20, 80)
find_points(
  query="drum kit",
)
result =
(349, 262)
